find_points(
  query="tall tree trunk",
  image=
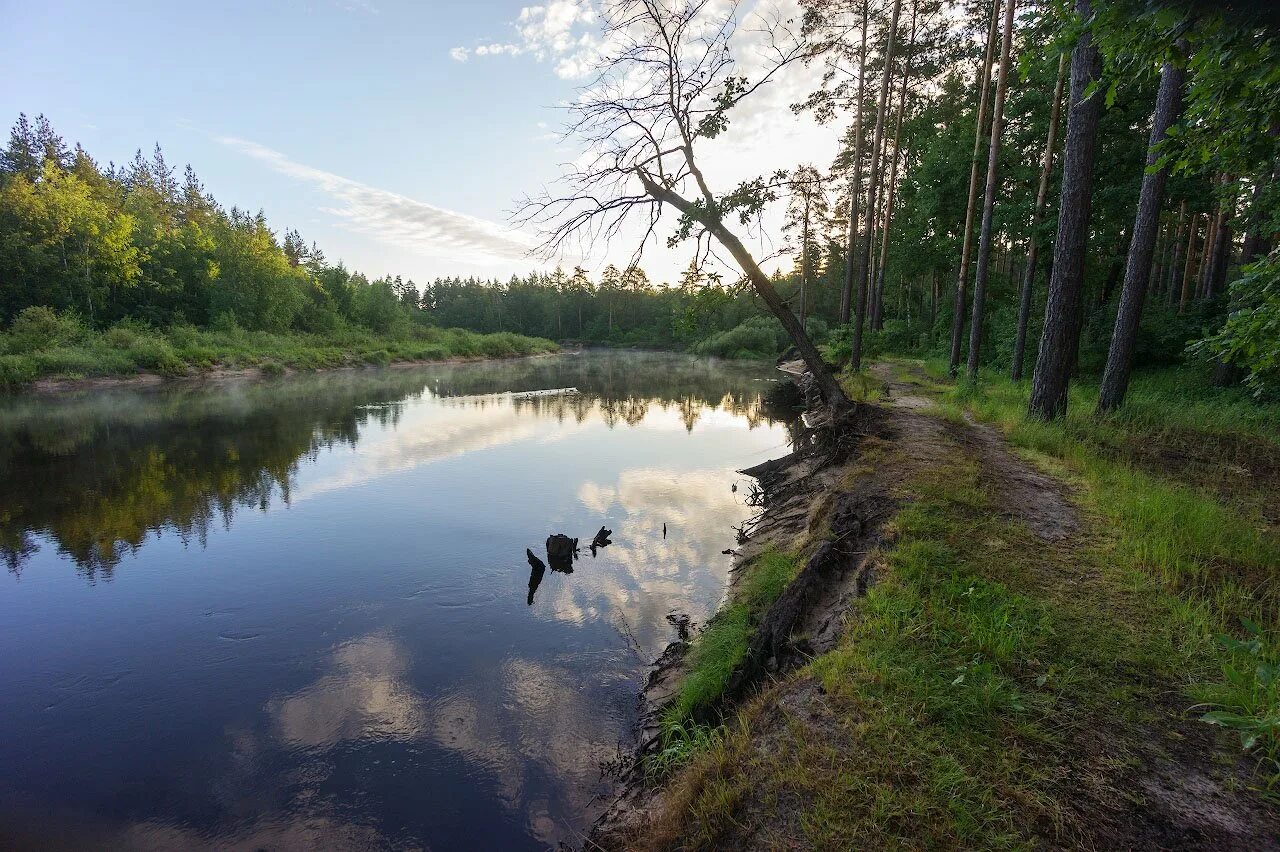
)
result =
(1205, 251)
(1033, 245)
(1115, 378)
(855, 179)
(1174, 282)
(804, 263)
(864, 262)
(966, 243)
(1188, 279)
(989, 199)
(1220, 256)
(1062, 316)
(877, 316)
(822, 375)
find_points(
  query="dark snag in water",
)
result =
(601, 540)
(561, 551)
(536, 569)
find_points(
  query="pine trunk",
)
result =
(1033, 247)
(864, 264)
(966, 243)
(1115, 378)
(1187, 278)
(855, 180)
(1062, 318)
(989, 199)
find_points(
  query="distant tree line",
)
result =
(141, 242)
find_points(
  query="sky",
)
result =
(399, 136)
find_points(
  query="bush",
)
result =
(17, 371)
(758, 337)
(37, 328)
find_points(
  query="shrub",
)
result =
(38, 328)
(17, 371)
(758, 337)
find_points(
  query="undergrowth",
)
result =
(42, 344)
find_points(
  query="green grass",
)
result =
(989, 675)
(716, 652)
(721, 646)
(65, 350)
(1206, 547)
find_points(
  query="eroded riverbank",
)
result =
(970, 679)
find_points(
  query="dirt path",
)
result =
(1167, 788)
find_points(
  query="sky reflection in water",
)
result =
(294, 613)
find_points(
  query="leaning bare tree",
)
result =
(667, 83)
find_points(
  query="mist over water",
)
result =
(299, 612)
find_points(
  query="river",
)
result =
(298, 612)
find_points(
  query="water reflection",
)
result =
(319, 629)
(97, 473)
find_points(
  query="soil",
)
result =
(1167, 789)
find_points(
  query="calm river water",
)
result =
(296, 613)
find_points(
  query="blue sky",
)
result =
(397, 135)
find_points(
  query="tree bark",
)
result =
(864, 262)
(822, 375)
(966, 244)
(855, 180)
(1062, 317)
(1033, 245)
(1174, 280)
(1220, 256)
(1187, 278)
(989, 198)
(1115, 377)
(877, 315)
(1205, 250)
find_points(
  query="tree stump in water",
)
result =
(560, 552)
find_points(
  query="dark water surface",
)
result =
(294, 613)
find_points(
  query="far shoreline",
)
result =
(147, 379)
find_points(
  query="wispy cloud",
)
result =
(394, 218)
(563, 31)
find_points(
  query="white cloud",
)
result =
(396, 219)
(565, 32)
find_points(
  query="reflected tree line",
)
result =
(97, 474)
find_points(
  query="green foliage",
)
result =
(1249, 695)
(130, 346)
(1251, 337)
(37, 328)
(681, 741)
(758, 337)
(722, 644)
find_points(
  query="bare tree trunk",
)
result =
(1205, 251)
(1115, 378)
(804, 264)
(1174, 282)
(855, 180)
(989, 200)
(877, 316)
(1219, 257)
(822, 375)
(1062, 317)
(1033, 245)
(864, 263)
(966, 244)
(1187, 278)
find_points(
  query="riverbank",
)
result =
(1018, 649)
(65, 356)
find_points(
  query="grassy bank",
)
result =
(994, 687)
(41, 344)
